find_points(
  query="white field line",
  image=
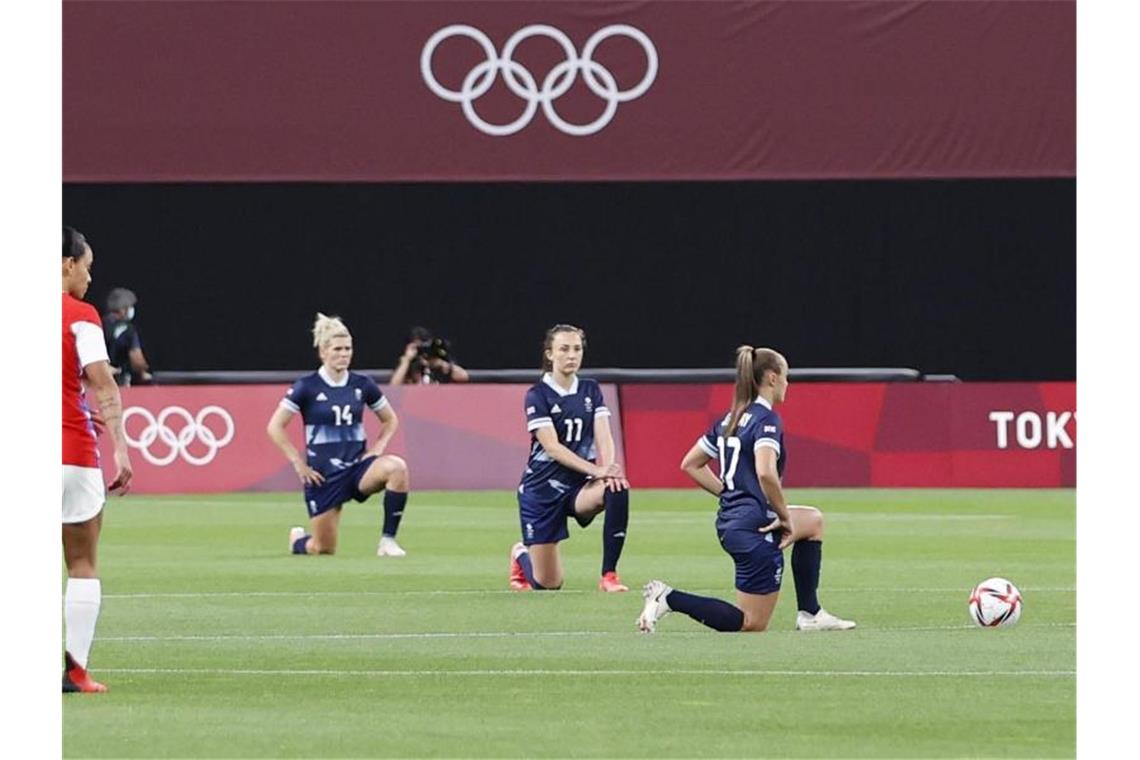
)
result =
(485, 634)
(505, 592)
(593, 673)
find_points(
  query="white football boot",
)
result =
(822, 621)
(655, 606)
(389, 548)
(295, 533)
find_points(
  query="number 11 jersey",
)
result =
(571, 413)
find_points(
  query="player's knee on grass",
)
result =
(753, 625)
(321, 545)
(552, 583)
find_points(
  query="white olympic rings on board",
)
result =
(194, 428)
(522, 82)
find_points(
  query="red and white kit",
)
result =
(83, 492)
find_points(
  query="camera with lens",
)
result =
(433, 348)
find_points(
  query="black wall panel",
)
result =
(976, 278)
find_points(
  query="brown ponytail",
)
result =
(751, 364)
(745, 390)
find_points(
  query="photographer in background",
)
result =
(427, 360)
(123, 344)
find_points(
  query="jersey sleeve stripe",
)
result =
(287, 404)
(538, 422)
(707, 447)
(383, 402)
(769, 443)
(601, 411)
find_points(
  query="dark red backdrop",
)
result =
(332, 90)
(874, 434)
(474, 436)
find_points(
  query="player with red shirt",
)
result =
(85, 366)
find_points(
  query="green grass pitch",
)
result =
(217, 643)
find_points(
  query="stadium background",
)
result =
(904, 171)
(858, 184)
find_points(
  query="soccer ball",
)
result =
(995, 602)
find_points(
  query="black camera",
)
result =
(434, 348)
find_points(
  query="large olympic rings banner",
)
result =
(341, 90)
(211, 438)
(875, 434)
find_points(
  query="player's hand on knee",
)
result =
(616, 484)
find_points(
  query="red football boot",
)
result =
(517, 577)
(75, 679)
(610, 583)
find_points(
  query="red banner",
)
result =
(874, 434)
(340, 90)
(211, 438)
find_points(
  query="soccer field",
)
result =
(216, 642)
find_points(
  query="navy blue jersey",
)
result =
(334, 417)
(571, 414)
(742, 503)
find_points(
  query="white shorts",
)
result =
(83, 493)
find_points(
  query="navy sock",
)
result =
(394, 502)
(806, 559)
(300, 544)
(715, 613)
(614, 528)
(528, 570)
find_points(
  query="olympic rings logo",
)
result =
(175, 444)
(523, 83)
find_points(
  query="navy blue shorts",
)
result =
(759, 561)
(543, 520)
(338, 488)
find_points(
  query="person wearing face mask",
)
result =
(123, 343)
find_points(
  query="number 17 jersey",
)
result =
(742, 503)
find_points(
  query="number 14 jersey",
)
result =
(334, 417)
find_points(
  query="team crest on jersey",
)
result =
(589, 402)
(359, 393)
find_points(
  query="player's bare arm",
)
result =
(548, 439)
(101, 380)
(696, 466)
(390, 423)
(774, 492)
(604, 439)
(276, 431)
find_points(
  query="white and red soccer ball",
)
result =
(995, 602)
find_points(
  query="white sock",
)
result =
(80, 611)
